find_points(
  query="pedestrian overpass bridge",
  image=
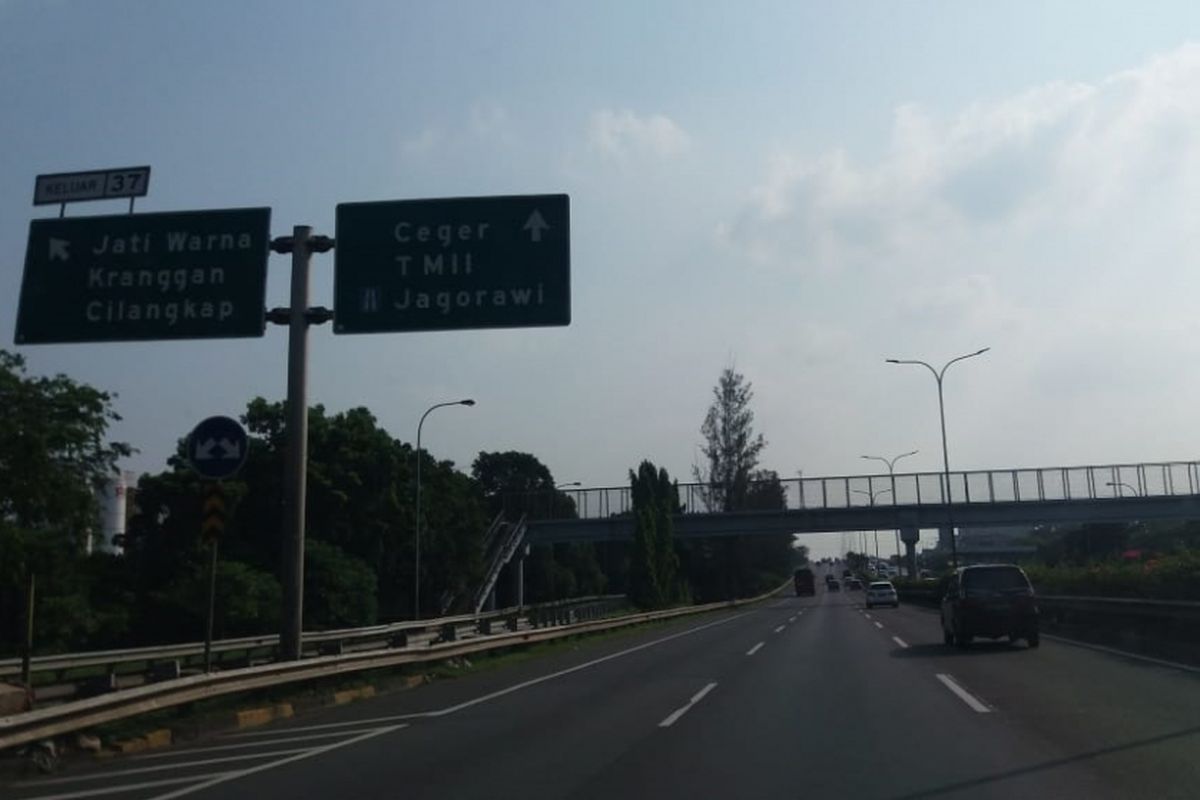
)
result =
(1029, 496)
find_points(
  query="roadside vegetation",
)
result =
(56, 452)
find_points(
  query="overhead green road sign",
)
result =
(450, 264)
(179, 275)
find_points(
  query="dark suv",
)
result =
(989, 600)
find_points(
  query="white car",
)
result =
(882, 593)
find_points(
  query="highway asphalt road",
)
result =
(795, 697)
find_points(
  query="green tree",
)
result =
(731, 447)
(54, 454)
(654, 565)
(518, 483)
(339, 589)
(736, 566)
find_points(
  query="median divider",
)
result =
(77, 715)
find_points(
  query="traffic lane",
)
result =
(825, 711)
(694, 642)
(1136, 722)
(540, 742)
(442, 694)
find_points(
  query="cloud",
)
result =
(622, 134)
(419, 145)
(1059, 160)
(1056, 225)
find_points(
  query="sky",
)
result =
(797, 190)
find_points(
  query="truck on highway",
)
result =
(803, 579)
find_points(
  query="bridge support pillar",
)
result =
(909, 536)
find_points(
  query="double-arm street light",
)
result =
(891, 465)
(939, 376)
(417, 556)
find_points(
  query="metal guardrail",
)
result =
(1034, 484)
(312, 641)
(56, 720)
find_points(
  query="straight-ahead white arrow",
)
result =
(535, 225)
(58, 249)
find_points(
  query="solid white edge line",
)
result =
(962, 694)
(679, 712)
(1161, 662)
(114, 789)
(755, 649)
(879, 625)
(306, 728)
(242, 745)
(159, 768)
(229, 776)
(900, 641)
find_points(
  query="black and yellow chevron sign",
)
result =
(212, 520)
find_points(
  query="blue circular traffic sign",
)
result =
(217, 447)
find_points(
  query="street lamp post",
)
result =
(891, 465)
(939, 376)
(1120, 485)
(417, 555)
(873, 495)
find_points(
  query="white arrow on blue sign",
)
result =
(217, 447)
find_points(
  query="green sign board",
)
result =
(180, 275)
(450, 264)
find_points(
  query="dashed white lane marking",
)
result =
(316, 751)
(793, 618)
(755, 649)
(971, 700)
(679, 712)
(865, 614)
(879, 625)
(900, 641)
(779, 629)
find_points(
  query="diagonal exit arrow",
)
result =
(58, 249)
(535, 225)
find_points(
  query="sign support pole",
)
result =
(212, 596)
(296, 477)
(27, 651)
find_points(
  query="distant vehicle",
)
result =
(853, 585)
(990, 601)
(833, 586)
(803, 580)
(882, 593)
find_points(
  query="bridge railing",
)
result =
(1034, 484)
